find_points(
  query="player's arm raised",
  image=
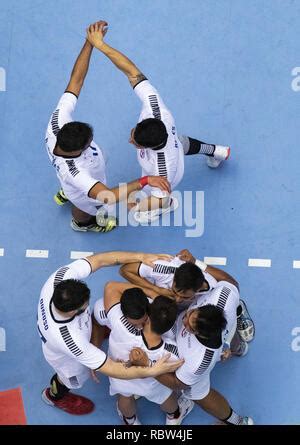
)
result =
(95, 37)
(81, 67)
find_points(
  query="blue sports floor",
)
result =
(224, 68)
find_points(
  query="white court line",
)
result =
(296, 264)
(215, 261)
(77, 255)
(37, 253)
(1, 252)
(259, 262)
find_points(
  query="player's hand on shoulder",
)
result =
(138, 357)
(185, 255)
(163, 365)
(96, 32)
(150, 258)
(160, 182)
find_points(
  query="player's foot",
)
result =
(107, 222)
(124, 419)
(247, 421)
(60, 198)
(153, 215)
(220, 154)
(71, 403)
(242, 349)
(185, 407)
(243, 421)
(108, 225)
(245, 324)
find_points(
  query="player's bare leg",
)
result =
(216, 405)
(176, 409)
(126, 407)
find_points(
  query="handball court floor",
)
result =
(224, 68)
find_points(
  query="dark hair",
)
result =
(163, 313)
(210, 321)
(188, 276)
(70, 295)
(151, 133)
(134, 303)
(74, 136)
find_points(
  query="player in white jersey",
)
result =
(126, 337)
(79, 162)
(201, 332)
(65, 327)
(160, 150)
(136, 313)
(185, 278)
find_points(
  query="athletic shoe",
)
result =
(245, 325)
(185, 407)
(242, 349)
(153, 215)
(247, 421)
(71, 403)
(136, 420)
(243, 421)
(107, 222)
(60, 198)
(220, 154)
(110, 225)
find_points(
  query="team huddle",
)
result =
(174, 317)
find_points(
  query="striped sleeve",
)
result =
(100, 313)
(152, 103)
(80, 349)
(62, 114)
(190, 373)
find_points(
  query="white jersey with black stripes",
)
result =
(76, 175)
(123, 337)
(199, 361)
(162, 275)
(169, 161)
(66, 342)
(225, 296)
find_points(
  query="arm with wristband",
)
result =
(121, 193)
(218, 274)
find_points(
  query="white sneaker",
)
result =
(153, 215)
(185, 407)
(247, 421)
(242, 350)
(220, 154)
(136, 420)
(245, 324)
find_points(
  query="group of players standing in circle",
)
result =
(175, 317)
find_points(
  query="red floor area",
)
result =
(11, 407)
